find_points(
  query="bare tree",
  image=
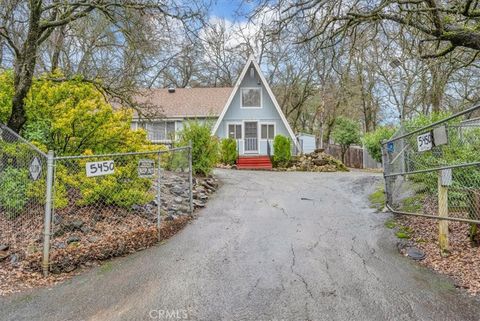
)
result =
(42, 18)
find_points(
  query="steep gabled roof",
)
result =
(184, 102)
(251, 60)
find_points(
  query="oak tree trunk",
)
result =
(24, 70)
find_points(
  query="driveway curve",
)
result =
(269, 246)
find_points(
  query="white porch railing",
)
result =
(251, 144)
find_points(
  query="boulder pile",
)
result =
(318, 161)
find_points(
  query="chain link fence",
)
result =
(82, 208)
(22, 194)
(434, 170)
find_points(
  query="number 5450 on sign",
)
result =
(100, 168)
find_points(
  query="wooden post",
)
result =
(444, 180)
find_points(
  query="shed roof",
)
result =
(184, 102)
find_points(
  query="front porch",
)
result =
(254, 162)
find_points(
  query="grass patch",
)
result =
(404, 232)
(377, 199)
(106, 267)
(390, 224)
(414, 203)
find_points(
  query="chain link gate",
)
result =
(98, 197)
(22, 194)
(49, 203)
(434, 171)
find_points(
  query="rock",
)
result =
(320, 162)
(178, 200)
(415, 253)
(59, 232)
(177, 189)
(57, 219)
(59, 245)
(77, 224)
(93, 239)
(203, 196)
(3, 255)
(170, 218)
(198, 203)
(4, 247)
(70, 268)
(14, 259)
(85, 229)
(73, 225)
(73, 239)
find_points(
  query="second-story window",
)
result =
(251, 98)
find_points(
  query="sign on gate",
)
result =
(390, 147)
(146, 168)
(100, 168)
(424, 142)
(35, 168)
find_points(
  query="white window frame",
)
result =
(234, 123)
(250, 88)
(274, 130)
(166, 140)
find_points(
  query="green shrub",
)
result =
(13, 190)
(346, 132)
(372, 141)
(281, 151)
(228, 151)
(204, 146)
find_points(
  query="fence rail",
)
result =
(49, 203)
(434, 170)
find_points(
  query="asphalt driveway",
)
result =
(270, 246)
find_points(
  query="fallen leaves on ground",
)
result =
(28, 274)
(463, 263)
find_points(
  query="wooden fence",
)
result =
(355, 157)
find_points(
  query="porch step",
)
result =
(254, 162)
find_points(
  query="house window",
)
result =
(268, 131)
(251, 98)
(235, 131)
(162, 130)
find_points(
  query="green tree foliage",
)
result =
(13, 196)
(6, 95)
(204, 146)
(372, 141)
(346, 132)
(281, 151)
(228, 151)
(72, 116)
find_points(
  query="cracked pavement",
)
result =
(269, 246)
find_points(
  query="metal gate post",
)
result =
(190, 179)
(48, 212)
(386, 171)
(159, 194)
